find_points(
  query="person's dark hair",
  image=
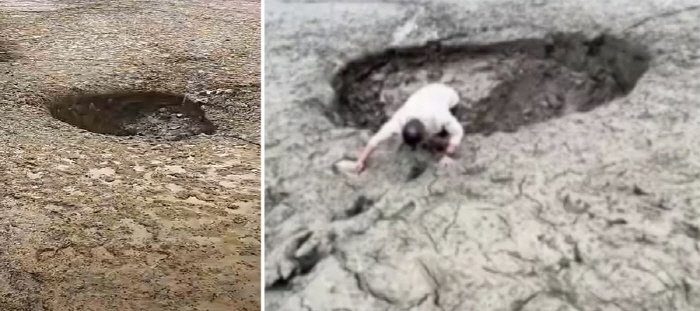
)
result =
(413, 133)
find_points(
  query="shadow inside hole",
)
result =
(150, 114)
(502, 86)
(5, 54)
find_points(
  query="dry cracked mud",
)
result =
(124, 206)
(577, 191)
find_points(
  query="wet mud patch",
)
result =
(502, 86)
(150, 114)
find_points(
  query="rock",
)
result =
(96, 173)
(345, 168)
(174, 188)
(402, 282)
(174, 169)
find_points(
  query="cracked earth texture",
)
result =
(97, 222)
(590, 211)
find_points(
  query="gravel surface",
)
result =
(98, 222)
(587, 210)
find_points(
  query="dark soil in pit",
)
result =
(502, 86)
(5, 54)
(150, 114)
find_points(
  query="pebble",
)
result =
(174, 169)
(95, 173)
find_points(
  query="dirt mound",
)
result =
(151, 114)
(502, 86)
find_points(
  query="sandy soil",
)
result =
(97, 222)
(592, 210)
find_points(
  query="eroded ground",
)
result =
(586, 209)
(99, 222)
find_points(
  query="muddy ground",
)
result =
(582, 195)
(99, 222)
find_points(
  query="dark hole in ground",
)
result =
(502, 86)
(5, 54)
(150, 114)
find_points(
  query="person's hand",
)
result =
(359, 166)
(451, 149)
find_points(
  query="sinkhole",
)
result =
(150, 114)
(502, 86)
(5, 54)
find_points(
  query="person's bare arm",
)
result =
(456, 132)
(385, 132)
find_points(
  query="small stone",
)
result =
(345, 167)
(174, 188)
(182, 195)
(34, 175)
(174, 169)
(97, 173)
(227, 184)
(381, 279)
(195, 200)
(438, 188)
(53, 208)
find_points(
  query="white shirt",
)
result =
(431, 105)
